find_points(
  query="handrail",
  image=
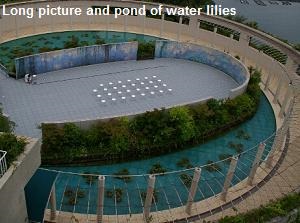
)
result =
(3, 164)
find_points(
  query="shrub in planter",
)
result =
(212, 167)
(122, 175)
(185, 163)
(186, 179)
(157, 168)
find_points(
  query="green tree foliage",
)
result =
(146, 50)
(5, 124)
(182, 119)
(149, 134)
(12, 145)
(72, 43)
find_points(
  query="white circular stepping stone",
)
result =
(138, 89)
(115, 88)
(99, 96)
(164, 85)
(119, 82)
(142, 83)
(155, 86)
(110, 83)
(105, 89)
(128, 90)
(119, 92)
(123, 86)
(154, 76)
(143, 94)
(95, 90)
(147, 88)
(146, 78)
(109, 94)
(151, 82)
(103, 101)
(101, 85)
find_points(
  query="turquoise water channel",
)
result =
(125, 196)
(38, 43)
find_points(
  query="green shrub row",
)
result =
(149, 134)
(9, 142)
(13, 145)
(280, 207)
(5, 124)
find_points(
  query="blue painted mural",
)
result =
(80, 56)
(201, 54)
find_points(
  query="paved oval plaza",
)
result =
(108, 90)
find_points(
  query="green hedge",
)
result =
(149, 134)
(5, 124)
(280, 207)
(9, 142)
(12, 145)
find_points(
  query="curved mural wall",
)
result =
(75, 57)
(208, 56)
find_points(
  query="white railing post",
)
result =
(268, 81)
(100, 204)
(193, 190)
(278, 89)
(179, 29)
(285, 103)
(229, 177)
(256, 161)
(149, 197)
(162, 21)
(3, 165)
(53, 204)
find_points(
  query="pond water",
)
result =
(33, 44)
(170, 188)
(278, 19)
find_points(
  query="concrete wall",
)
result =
(12, 195)
(75, 57)
(208, 56)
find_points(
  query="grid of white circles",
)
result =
(131, 90)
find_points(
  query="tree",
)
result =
(183, 123)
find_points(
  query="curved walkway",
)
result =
(285, 180)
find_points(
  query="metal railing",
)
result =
(97, 197)
(3, 164)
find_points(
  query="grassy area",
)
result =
(280, 207)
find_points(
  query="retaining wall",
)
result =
(208, 56)
(75, 57)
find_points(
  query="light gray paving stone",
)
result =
(68, 94)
